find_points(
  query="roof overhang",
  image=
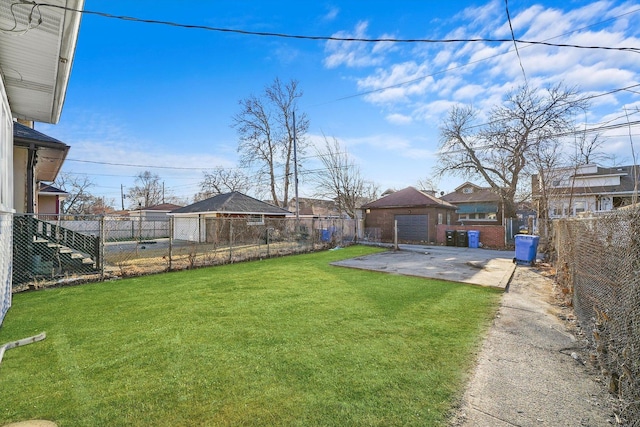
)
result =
(36, 54)
(50, 157)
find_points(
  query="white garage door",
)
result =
(413, 227)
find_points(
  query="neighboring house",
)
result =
(417, 212)
(36, 64)
(155, 213)
(49, 199)
(37, 158)
(316, 208)
(572, 191)
(197, 222)
(476, 205)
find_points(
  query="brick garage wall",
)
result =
(491, 236)
(383, 219)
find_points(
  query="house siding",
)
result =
(6, 201)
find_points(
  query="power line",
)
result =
(513, 37)
(322, 38)
(139, 166)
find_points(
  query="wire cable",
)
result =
(513, 37)
(324, 38)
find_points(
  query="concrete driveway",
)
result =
(482, 267)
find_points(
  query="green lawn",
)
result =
(285, 341)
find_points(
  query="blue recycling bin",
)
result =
(325, 235)
(526, 248)
(474, 238)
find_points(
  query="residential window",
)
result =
(439, 218)
(557, 210)
(463, 216)
(255, 220)
(448, 218)
(579, 207)
(467, 190)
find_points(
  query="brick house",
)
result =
(417, 213)
(476, 205)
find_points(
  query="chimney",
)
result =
(28, 123)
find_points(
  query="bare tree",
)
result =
(80, 199)
(265, 127)
(500, 150)
(429, 184)
(588, 149)
(341, 180)
(147, 192)
(221, 180)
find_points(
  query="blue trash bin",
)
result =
(325, 235)
(474, 238)
(526, 248)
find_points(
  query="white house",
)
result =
(154, 213)
(196, 222)
(588, 188)
(36, 65)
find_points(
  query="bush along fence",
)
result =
(598, 264)
(52, 251)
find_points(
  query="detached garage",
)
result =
(416, 212)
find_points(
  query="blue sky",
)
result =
(162, 97)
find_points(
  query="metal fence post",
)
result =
(267, 239)
(102, 235)
(230, 239)
(395, 234)
(170, 242)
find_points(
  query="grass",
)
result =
(286, 341)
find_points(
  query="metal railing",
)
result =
(44, 249)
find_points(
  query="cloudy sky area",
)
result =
(161, 98)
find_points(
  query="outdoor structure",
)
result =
(316, 208)
(572, 191)
(417, 214)
(36, 67)
(476, 205)
(49, 199)
(197, 222)
(157, 213)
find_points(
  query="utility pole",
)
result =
(295, 171)
(122, 196)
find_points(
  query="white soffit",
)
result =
(37, 45)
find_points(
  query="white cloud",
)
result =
(468, 92)
(421, 84)
(398, 83)
(331, 14)
(351, 54)
(399, 119)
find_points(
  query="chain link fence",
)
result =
(598, 265)
(57, 250)
(6, 230)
